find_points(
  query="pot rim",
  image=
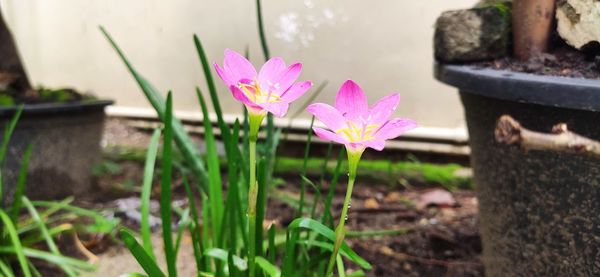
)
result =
(554, 91)
(57, 108)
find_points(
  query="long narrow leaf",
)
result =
(165, 189)
(195, 227)
(327, 218)
(214, 174)
(268, 267)
(146, 191)
(9, 228)
(304, 165)
(4, 147)
(138, 252)
(225, 132)
(315, 226)
(49, 241)
(184, 142)
(5, 269)
(21, 181)
(261, 31)
(222, 255)
(261, 204)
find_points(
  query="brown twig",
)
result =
(510, 131)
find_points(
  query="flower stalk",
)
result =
(340, 231)
(255, 121)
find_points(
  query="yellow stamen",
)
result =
(355, 133)
(258, 96)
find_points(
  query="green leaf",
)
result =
(5, 269)
(272, 252)
(133, 274)
(5, 141)
(146, 191)
(222, 255)
(9, 228)
(182, 139)
(340, 266)
(101, 224)
(165, 188)
(21, 180)
(261, 31)
(195, 227)
(304, 165)
(268, 267)
(215, 195)
(138, 252)
(315, 226)
(49, 241)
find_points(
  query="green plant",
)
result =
(23, 235)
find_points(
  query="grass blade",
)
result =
(261, 31)
(225, 132)
(146, 191)
(304, 164)
(6, 270)
(9, 228)
(182, 139)
(214, 172)
(340, 266)
(268, 267)
(50, 258)
(20, 187)
(195, 227)
(183, 223)
(138, 252)
(272, 252)
(327, 217)
(165, 188)
(222, 255)
(4, 147)
(49, 241)
(315, 226)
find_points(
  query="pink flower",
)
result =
(272, 89)
(354, 124)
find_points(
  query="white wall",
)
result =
(384, 45)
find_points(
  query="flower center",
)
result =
(253, 91)
(356, 133)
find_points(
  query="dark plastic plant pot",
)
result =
(539, 210)
(66, 144)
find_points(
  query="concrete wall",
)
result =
(384, 45)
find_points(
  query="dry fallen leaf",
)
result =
(436, 197)
(371, 203)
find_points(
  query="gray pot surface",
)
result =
(539, 210)
(66, 144)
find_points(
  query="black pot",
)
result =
(539, 210)
(66, 144)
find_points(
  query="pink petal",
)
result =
(286, 78)
(395, 128)
(375, 144)
(239, 95)
(351, 100)
(295, 91)
(237, 67)
(328, 135)
(331, 117)
(224, 76)
(278, 109)
(383, 109)
(271, 69)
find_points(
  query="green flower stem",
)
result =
(255, 121)
(340, 230)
